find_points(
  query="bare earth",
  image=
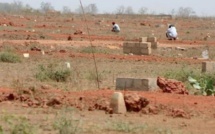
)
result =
(48, 103)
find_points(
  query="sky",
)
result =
(201, 7)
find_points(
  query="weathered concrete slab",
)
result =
(144, 84)
(143, 39)
(151, 39)
(208, 67)
(137, 48)
(154, 45)
(117, 103)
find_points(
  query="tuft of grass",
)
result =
(67, 126)
(22, 128)
(9, 57)
(17, 125)
(52, 72)
(126, 127)
(66, 123)
(92, 76)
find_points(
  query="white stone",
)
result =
(26, 55)
(118, 103)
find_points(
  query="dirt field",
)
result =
(32, 103)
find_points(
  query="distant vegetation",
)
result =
(46, 7)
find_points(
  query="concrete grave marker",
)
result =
(117, 103)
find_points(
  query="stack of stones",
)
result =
(143, 47)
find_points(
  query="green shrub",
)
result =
(52, 72)
(180, 75)
(204, 85)
(9, 57)
(201, 82)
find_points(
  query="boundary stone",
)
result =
(118, 103)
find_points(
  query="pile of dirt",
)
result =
(134, 102)
(78, 32)
(171, 86)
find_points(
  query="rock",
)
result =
(135, 102)
(62, 51)
(11, 97)
(102, 104)
(179, 113)
(35, 49)
(78, 32)
(69, 38)
(53, 102)
(46, 87)
(171, 86)
(117, 103)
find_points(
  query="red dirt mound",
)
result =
(171, 86)
(135, 102)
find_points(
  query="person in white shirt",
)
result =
(171, 33)
(115, 27)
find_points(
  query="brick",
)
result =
(151, 39)
(124, 83)
(143, 39)
(136, 50)
(145, 84)
(145, 45)
(154, 45)
(146, 51)
(137, 45)
(117, 103)
(208, 66)
(131, 44)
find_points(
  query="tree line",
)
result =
(18, 7)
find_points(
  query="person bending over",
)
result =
(115, 27)
(171, 33)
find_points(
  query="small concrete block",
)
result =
(143, 39)
(131, 44)
(208, 66)
(154, 45)
(145, 45)
(124, 83)
(145, 84)
(151, 39)
(136, 51)
(137, 44)
(117, 103)
(146, 51)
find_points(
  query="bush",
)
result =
(9, 57)
(201, 82)
(204, 85)
(51, 72)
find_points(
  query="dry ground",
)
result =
(23, 97)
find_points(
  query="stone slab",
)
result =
(208, 67)
(142, 84)
(151, 39)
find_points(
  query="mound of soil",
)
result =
(134, 102)
(171, 86)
